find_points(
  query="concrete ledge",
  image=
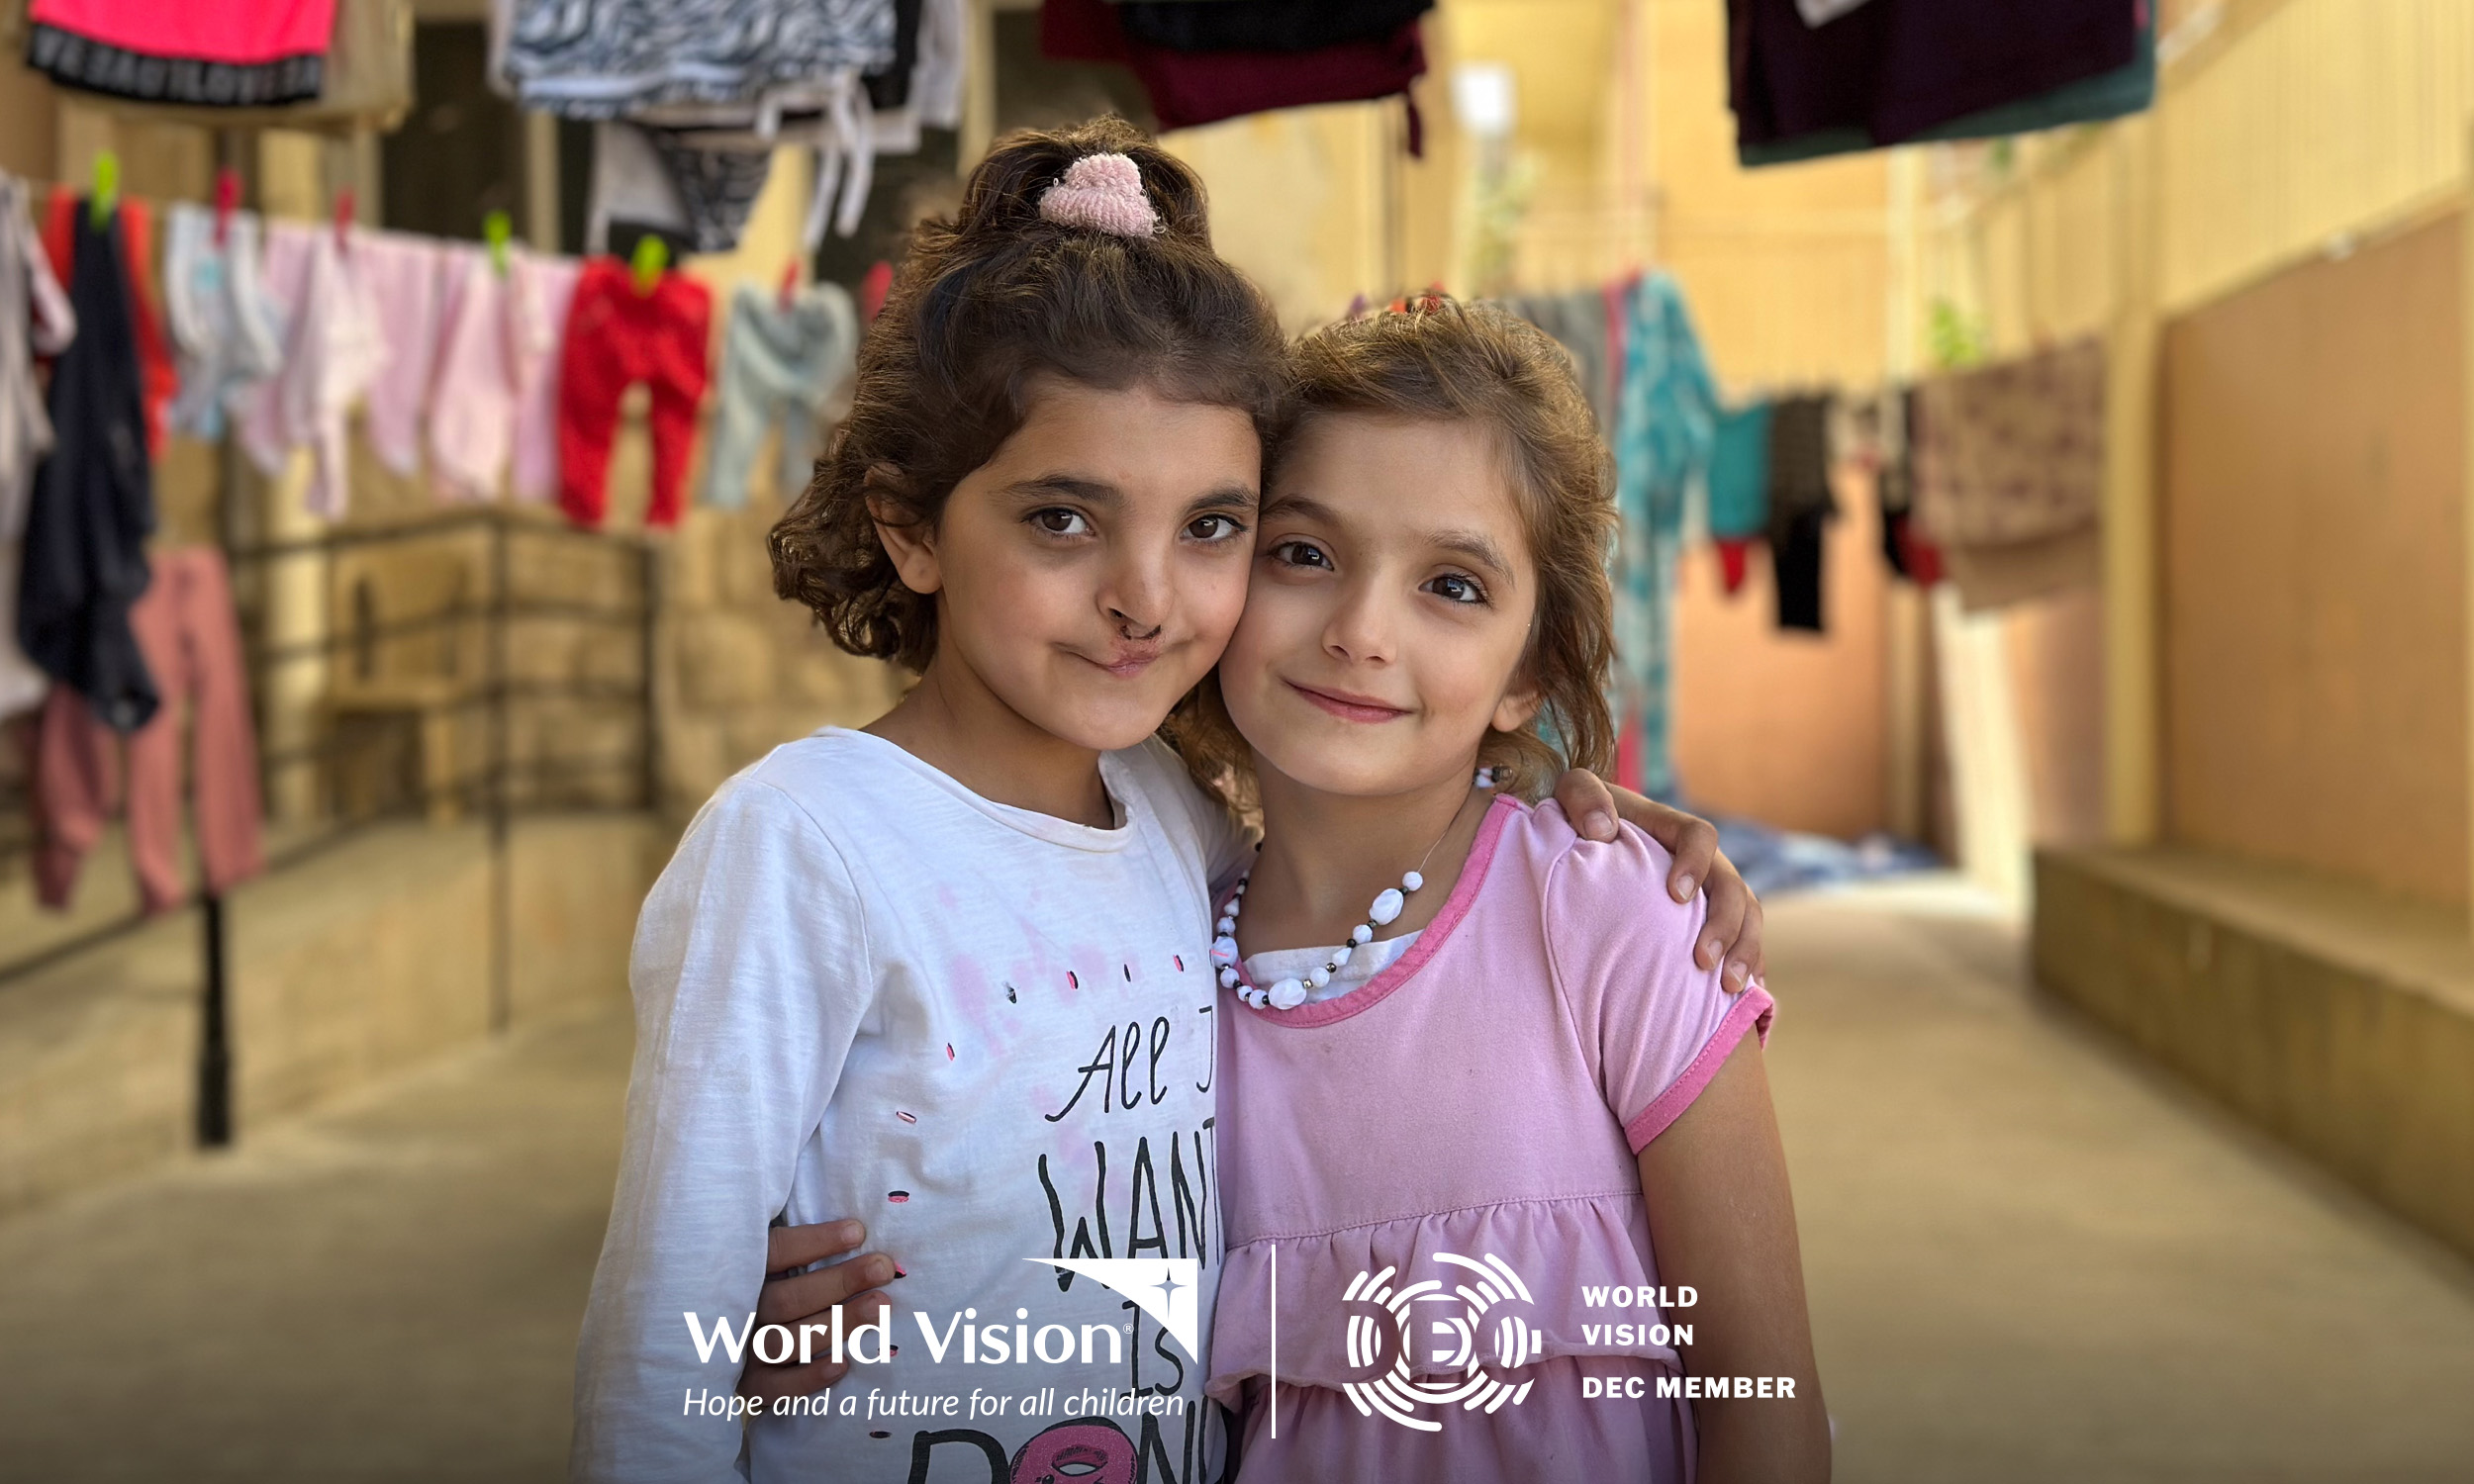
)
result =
(2338, 1018)
(351, 965)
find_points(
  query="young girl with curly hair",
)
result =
(950, 972)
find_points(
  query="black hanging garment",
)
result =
(1264, 25)
(1800, 506)
(889, 87)
(92, 506)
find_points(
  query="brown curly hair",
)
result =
(1438, 359)
(982, 306)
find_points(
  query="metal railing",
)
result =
(307, 751)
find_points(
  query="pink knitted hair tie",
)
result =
(1105, 193)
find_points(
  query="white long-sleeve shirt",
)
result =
(863, 991)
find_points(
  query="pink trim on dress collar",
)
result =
(1430, 939)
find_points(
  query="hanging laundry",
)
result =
(2125, 90)
(1795, 562)
(1893, 71)
(933, 96)
(472, 406)
(1739, 473)
(1191, 88)
(1735, 558)
(35, 320)
(889, 86)
(629, 188)
(1909, 552)
(606, 58)
(616, 338)
(1264, 25)
(543, 298)
(92, 506)
(333, 348)
(364, 81)
(192, 643)
(700, 184)
(1578, 324)
(230, 53)
(1799, 456)
(1801, 505)
(1665, 416)
(160, 380)
(494, 395)
(830, 118)
(406, 276)
(221, 323)
(778, 364)
(1667, 407)
(1856, 437)
(716, 187)
(874, 286)
(2009, 469)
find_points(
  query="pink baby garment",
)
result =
(333, 349)
(547, 290)
(1494, 1086)
(403, 273)
(472, 404)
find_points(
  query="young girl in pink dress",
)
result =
(1501, 1188)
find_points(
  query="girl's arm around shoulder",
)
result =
(1723, 1223)
(751, 975)
(1652, 1024)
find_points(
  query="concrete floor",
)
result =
(2031, 1259)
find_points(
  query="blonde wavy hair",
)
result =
(1438, 359)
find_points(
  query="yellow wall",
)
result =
(1787, 267)
(2286, 133)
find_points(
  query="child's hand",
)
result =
(793, 1298)
(1733, 927)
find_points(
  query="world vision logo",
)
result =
(1457, 1324)
(1166, 1288)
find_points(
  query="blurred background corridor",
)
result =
(2118, 841)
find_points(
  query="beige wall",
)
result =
(361, 965)
(2314, 568)
(1789, 728)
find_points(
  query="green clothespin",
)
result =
(653, 255)
(107, 188)
(495, 229)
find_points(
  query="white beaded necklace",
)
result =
(1289, 993)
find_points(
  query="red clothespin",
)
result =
(789, 282)
(345, 202)
(227, 198)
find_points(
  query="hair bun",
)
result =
(1105, 193)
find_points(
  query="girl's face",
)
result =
(1089, 571)
(1390, 610)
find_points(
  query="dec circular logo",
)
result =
(1383, 1322)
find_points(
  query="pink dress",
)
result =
(1446, 1156)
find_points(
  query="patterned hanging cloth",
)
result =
(1665, 420)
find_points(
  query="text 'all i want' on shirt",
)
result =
(864, 990)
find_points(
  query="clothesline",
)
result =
(1988, 477)
(463, 358)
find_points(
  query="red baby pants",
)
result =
(185, 626)
(616, 338)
